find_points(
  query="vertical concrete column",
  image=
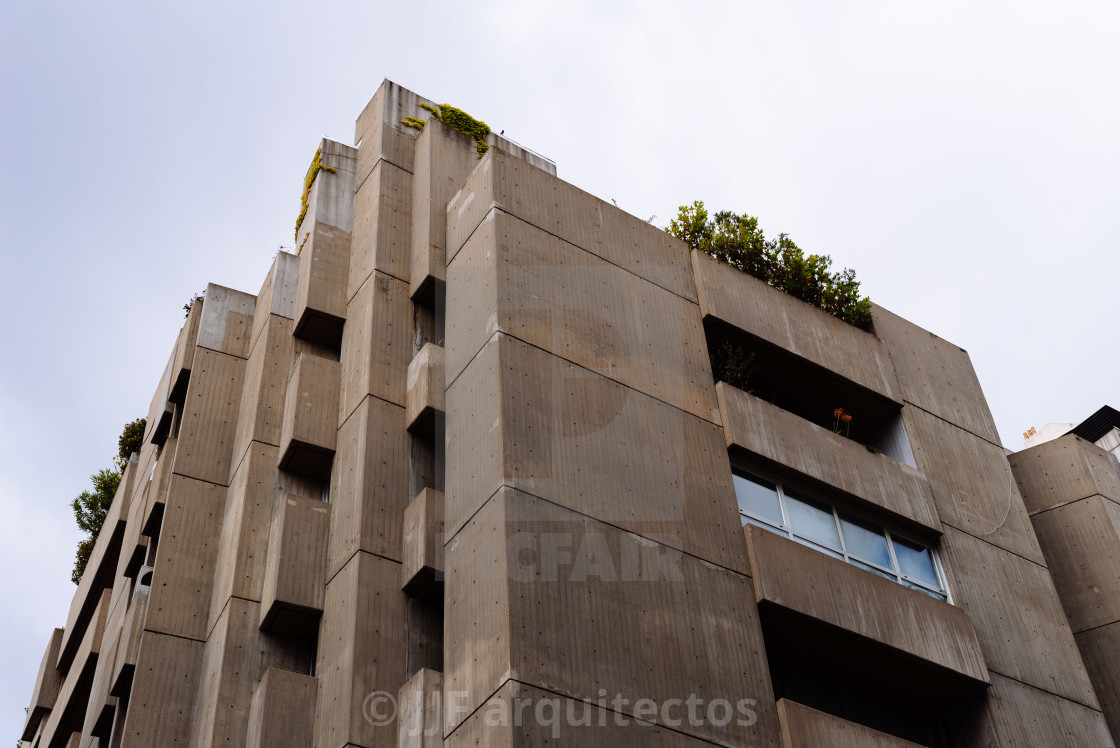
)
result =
(1072, 490)
(323, 240)
(444, 159)
(586, 477)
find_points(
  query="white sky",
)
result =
(961, 156)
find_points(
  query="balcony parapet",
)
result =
(762, 429)
(734, 298)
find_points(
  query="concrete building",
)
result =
(458, 474)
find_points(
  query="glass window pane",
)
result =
(872, 569)
(758, 497)
(765, 526)
(812, 519)
(819, 548)
(931, 593)
(866, 541)
(916, 562)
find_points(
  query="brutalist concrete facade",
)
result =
(459, 474)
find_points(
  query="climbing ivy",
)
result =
(458, 119)
(317, 165)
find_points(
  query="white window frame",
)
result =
(786, 530)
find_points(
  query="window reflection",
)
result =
(818, 525)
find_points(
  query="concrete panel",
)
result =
(422, 541)
(324, 246)
(1020, 624)
(425, 394)
(242, 549)
(101, 704)
(261, 413)
(155, 498)
(161, 412)
(745, 302)
(935, 375)
(510, 718)
(477, 623)
(282, 711)
(235, 657)
(522, 417)
(185, 557)
(369, 484)
(378, 131)
(227, 321)
(444, 159)
(573, 303)
(1015, 715)
(1100, 648)
(163, 693)
(73, 694)
(514, 186)
(419, 712)
(765, 430)
(361, 650)
(128, 647)
(827, 589)
(324, 266)
(1064, 470)
(209, 424)
(376, 344)
(98, 576)
(382, 239)
(331, 199)
(296, 572)
(183, 361)
(973, 488)
(594, 608)
(46, 686)
(804, 727)
(309, 433)
(278, 293)
(1082, 545)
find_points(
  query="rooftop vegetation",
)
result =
(738, 241)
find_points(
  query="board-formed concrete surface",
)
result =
(459, 474)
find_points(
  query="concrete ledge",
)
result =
(777, 435)
(69, 709)
(295, 576)
(513, 186)
(310, 431)
(913, 625)
(444, 159)
(1064, 470)
(419, 711)
(183, 359)
(425, 394)
(46, 688)
(324, 247)
(422, 545)
(804, 727)
(226, 325)
(282, 711)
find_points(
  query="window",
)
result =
(805, 519)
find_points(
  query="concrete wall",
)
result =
(1072, 488)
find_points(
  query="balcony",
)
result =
(422, 541)
(310, 430)
(839, 622)
(762, 430)
(295, 573)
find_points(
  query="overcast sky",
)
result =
(963, 157)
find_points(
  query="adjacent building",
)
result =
(459, 474)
